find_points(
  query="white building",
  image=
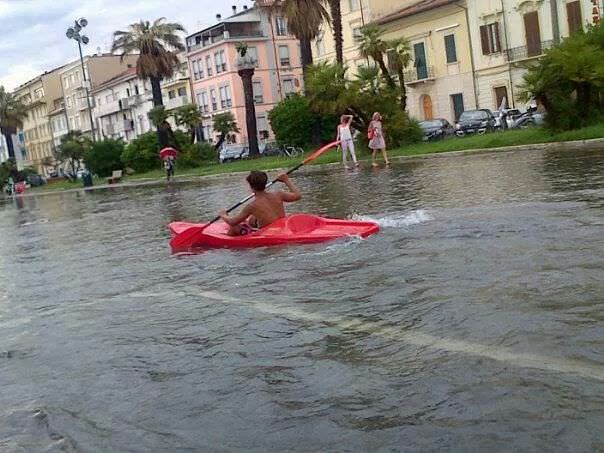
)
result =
(506, 34)
(121, 106)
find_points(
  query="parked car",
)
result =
(36, 180)
(233, 152)
(436, 129)
(475, 122)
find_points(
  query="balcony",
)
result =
(526, 52)
(176, 102)
(215, 36)
(82, 104)
(419, 75)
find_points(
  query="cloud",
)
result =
(32, 36)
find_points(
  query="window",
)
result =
(200, 64)
(225, 97)
(195, 67)
(357, 35)
(76, 122)
(262, 126)
(66, 82)
(71, 79)
(253, 53)
(284, 55)
(281, 26)
(182, 91)
(489, 37)
(68, 101)
(354, 5)
(202, 101)
(108, 98)
(573, 13)
(98, 101)
(450, 48)
(457, 103)
(213, 98)
(209, 65)
(501, 93)
(288, 87)
(39, 93)
(171, 94)
(77, 76)
(127, 92)
(136, 89)
(258, 95)
(320, 43)
(71, 122)
(219, 60)
(533, 34)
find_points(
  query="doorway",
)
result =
(427, 107)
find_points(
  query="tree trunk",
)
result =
(306, 58)
(385, 73)
(336, 21)
(219, 143)
(156, 90)
(402, 88)
(250, 111)
(9, 143)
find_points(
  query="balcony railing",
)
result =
(226, 36)
(419, 74)
(524, 52)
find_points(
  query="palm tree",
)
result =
(372, 45)
(188, 116)
(399, 55)
(157, 45)
(304, 19)
(225, 124)
(12, 114)
(336, 24)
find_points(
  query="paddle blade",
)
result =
(186, 239)
(320, 151)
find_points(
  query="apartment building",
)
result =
(508, 34)
(176, 90)
(98, 69)
(34, 143)
(121, 106)
(355, 14)
(217, 87)
(439, 80)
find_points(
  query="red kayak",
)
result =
(293, 229)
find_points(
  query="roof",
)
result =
(246, 15)
(128, 74)
(419, 7)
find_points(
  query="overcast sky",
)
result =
(32, 32)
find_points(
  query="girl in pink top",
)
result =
(377, 142)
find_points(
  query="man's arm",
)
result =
(294, 195)
(236, 220)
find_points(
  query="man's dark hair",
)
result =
(257, 180)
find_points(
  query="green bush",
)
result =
(104, 157)
(196, 155)
(401, 130)
(292, 121)
(142, 154)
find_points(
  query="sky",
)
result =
(32, 32)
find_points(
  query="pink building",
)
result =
(212, 56)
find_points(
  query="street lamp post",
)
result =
(245, 69)
(74, 33)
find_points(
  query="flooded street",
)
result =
(472, 322)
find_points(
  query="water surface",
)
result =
(471, 322)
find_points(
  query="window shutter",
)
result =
(533, 34)
(573, 11)
(450, 49)
(497, 42)
(484, 39)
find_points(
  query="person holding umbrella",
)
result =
(168, 155)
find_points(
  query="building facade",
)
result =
(121, 106)
(34, 142)
(217, 87)
(355, 14)
(508, 34)
(439, 79)
(98, 69)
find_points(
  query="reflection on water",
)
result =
(471, 322)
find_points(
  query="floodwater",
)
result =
(472, 322)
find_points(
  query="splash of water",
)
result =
(398, 220)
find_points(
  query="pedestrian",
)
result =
(169, 166)
(376, 139)
(344, 136)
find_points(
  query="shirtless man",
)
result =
(266, 207)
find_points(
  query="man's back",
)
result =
(268, 207)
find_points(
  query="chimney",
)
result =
(218, 17)
(234, 9)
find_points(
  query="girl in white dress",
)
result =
(344, 135)
(377, 142)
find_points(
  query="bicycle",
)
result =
(283, 150)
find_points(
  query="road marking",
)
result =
(497, 353)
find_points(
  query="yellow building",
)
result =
(440, 80)
(38, 95)
(355, 14)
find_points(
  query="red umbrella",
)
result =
(167, 152)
